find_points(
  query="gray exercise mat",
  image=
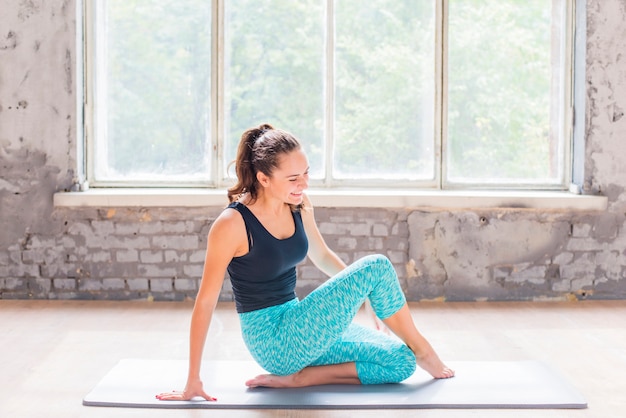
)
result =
(134, 383)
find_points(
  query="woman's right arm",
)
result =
(224, 242)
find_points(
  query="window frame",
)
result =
(94, 62)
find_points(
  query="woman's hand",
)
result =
(192, 390)
(380, 325)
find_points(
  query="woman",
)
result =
(267, 229)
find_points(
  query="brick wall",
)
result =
(158, 254)
(110, 254)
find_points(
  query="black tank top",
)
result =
(266, 275)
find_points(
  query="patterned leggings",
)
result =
(318, 330)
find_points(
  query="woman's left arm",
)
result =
(320, 254)
(324, 258)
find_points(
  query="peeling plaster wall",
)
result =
(516, 255)
(37, 113)
(606, 95)
(158, 253)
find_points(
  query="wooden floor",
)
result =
(52, 353)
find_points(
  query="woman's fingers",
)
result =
(176, 395)
(170, 396)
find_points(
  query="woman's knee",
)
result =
(377, 260)
(379, 266)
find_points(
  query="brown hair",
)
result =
(259, 150)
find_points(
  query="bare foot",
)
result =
(433, 365)
(272, 381)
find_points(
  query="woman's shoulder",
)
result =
(227, 235)
(230, 220)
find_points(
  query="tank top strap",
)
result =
(247, 216)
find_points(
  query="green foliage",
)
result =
(384, 89)
(499, 91)
(158, 90)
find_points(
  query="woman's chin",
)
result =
(295, 199)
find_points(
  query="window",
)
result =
(385, 93)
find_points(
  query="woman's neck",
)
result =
(267, 205)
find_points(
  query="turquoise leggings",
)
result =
(318, 330)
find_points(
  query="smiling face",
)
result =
(289, 179)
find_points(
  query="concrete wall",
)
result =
(157, 253)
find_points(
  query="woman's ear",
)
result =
(263, 180)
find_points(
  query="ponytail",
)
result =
(258, 150)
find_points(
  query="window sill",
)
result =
(432, 200)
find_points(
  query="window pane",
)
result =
(504, 92)
(156, 91)
(274, 54)
(385, 89)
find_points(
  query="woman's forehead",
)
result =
(295, 161)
